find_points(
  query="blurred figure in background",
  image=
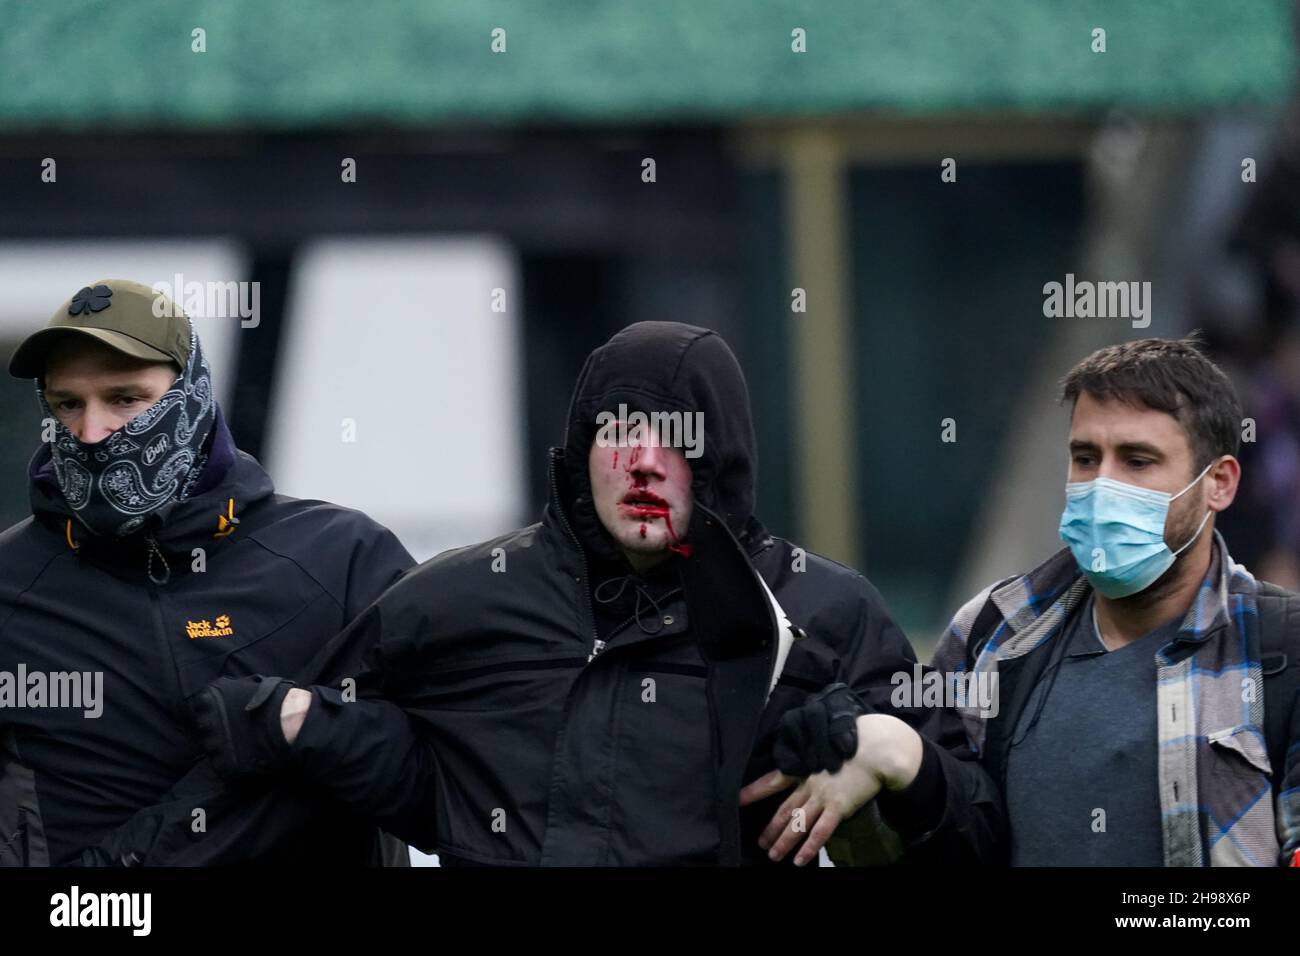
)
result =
(1266, 518)
(1265, 522)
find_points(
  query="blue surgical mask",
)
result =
(1116, 533)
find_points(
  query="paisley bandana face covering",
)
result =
(1116, 532)
(114, 485)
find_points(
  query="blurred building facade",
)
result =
(798, 205)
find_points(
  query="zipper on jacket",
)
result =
(167, 658)
(597, 644)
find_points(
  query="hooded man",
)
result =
(596, 688)
(157, 558)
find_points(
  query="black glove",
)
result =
(820, 734)
(153, 836)
(238, 723)
(141, 830)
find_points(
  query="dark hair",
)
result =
(1172, 376)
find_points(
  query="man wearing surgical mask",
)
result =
(1148, 683)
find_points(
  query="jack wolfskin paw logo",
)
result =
(91, 300)
(205, 628)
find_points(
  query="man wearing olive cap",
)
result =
(157, 558)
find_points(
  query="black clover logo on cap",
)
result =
(91, 300)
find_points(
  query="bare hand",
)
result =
(888, 757)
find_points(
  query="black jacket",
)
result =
(274, 586)
(487, 732)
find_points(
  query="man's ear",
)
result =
(1225, 476)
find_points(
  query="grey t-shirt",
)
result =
(1082, 784)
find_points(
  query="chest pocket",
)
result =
(1239, 767)
(1239, 752)
(664, 765)
(276, 633)
(811, 667)
(495, 687)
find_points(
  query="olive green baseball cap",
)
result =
(128, 316)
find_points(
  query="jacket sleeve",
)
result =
(361, 750)
(205, 821)
(243, 820)
(952, 813)
(357, 744)
(353, 751)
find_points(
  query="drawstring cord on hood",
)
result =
(641, 594)
(226, 525)
(153, 550)
(227, 522)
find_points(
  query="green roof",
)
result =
(270, 63)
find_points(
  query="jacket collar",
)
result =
(1033, 604)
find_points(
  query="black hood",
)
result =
(667, 367)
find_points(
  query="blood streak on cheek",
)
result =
(675, 545)
(615, 465)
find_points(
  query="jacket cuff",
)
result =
(316, 727)
(919, 807)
